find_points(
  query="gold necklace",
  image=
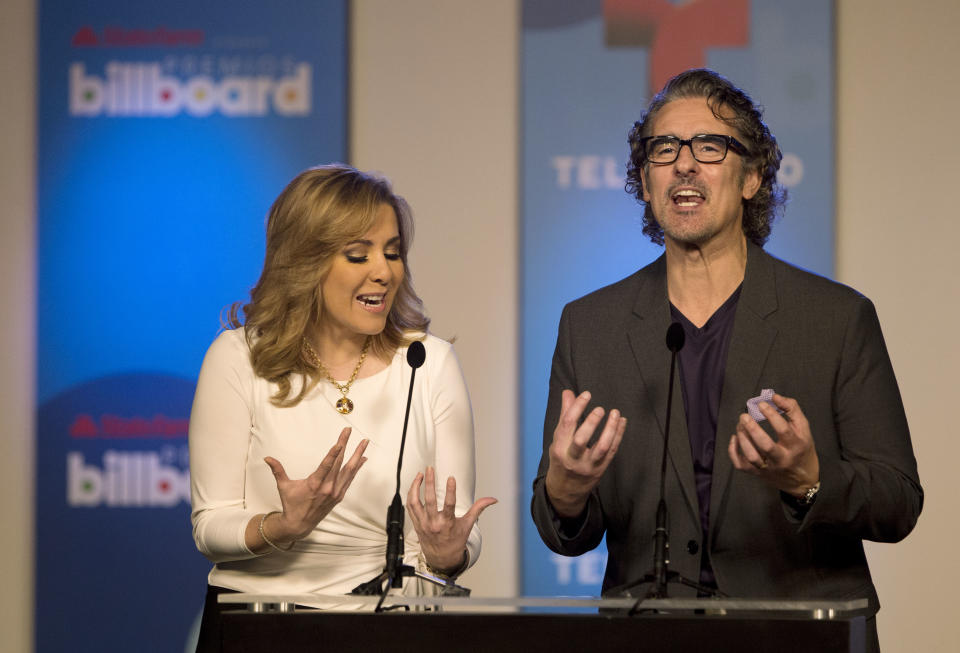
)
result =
(344, 405)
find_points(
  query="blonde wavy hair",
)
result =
(313, 219)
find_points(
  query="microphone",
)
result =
(675, 339)
(661, 538)
(416, 355)
(395, 570)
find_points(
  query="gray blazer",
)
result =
(808, 338)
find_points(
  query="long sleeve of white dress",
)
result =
(233, 426)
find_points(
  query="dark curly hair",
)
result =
(764, 153)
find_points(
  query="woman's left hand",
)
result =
(443, 535)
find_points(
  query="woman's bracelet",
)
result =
(267, 539)
(447, 575)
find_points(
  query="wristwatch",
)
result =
(809, 496)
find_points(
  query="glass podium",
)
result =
(260, 622)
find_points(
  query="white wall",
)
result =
(898, 228)
(434, 107)
(435, 103)
(17, 322)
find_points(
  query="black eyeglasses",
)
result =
(706, 148)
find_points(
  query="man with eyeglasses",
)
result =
(773, 502)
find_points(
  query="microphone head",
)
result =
(675, 337)
(416, 354)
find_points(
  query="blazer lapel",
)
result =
(647, 336)
(749, 347)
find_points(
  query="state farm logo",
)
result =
(114, 426)
(125, 479)
(122, 37)
(141, 89)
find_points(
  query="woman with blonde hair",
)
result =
(296, 423)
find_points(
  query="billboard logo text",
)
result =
(126, 479)
(142, 90)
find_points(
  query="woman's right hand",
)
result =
(307, 501)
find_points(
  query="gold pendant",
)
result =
(344, 406)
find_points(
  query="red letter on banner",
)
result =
(676, 35)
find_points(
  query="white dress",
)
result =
(233, 426)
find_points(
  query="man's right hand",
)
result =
(575, 469)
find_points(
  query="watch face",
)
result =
(810, 495)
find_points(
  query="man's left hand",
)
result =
(790, 463)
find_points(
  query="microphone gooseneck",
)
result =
(394, 571)
(661, 573)
(416, 355)
(675, 339)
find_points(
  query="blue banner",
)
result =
(165, 132)
(589, 70)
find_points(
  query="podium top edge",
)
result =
(833, 608)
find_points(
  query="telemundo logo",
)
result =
(142, 90)
(127, 479)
